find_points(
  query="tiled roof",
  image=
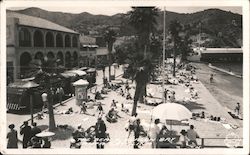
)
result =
(37, 22)
(222, 50)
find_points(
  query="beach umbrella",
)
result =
(45, 134)
(117, 81)
(171, 112)
(30, 84)
(115, 64)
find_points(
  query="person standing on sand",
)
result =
(26, 132)
(155, 131)
(12, 137)
(192, 135)
(100, 130)
(211, 78)
(237, 108)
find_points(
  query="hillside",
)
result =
(223, 28)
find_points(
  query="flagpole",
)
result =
(163, 55)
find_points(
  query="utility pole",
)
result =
(163, 55)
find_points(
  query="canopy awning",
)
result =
(80, 82)
(78, 72)
(91, 70)
(68, 74)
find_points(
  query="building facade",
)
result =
(87, 57)
(93, 51)
(222, 55)
(32, 39)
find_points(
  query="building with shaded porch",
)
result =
(222, 55)
(31, 39)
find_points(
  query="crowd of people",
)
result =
(98, 132)
(160, 136)
(30, 138)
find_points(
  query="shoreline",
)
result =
(224, 71)
(224, 95)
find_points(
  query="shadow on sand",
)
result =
(192, 105)
(63, 133)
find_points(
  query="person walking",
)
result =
(45, 101)
(131, 124)
(211, 78)
(100, 110)
(12, 137)
(154, 136)
(192, 135)
(83, 108)
(126, 87)
(165, 95)
(183, 139)
(113, 104)
(137, 131)
(237, 108)
(60, 93)
(100, 130)
(26, 132)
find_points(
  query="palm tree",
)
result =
(44, 77)
(109, 38)
(174, 29)
(142, 77)
(143, 19)
(49, 71)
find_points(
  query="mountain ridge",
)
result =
(223, 27)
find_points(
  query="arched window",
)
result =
(25, 60)
(39, 56)
(75, 58)
(59, 40)
(49, 39)
(24, 38)
(51, 56)
(38, 39)
(67, 41)
(60, 57)
(75, 41)
(68, 60)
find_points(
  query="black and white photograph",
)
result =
(140, 77)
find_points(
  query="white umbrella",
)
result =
(45, 134)
(171, 111)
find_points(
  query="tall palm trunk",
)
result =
(109, 61)
(138, 94)
(174, 58)
(103, 72)
(52, 124)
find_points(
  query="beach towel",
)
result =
(227, 126)
(85, 119)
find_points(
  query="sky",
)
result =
(114, 10)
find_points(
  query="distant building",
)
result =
(101, 51)
(222, 55)
(93, 51)
(88, 50)
(32, 38)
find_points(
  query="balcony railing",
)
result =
(220, 142)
